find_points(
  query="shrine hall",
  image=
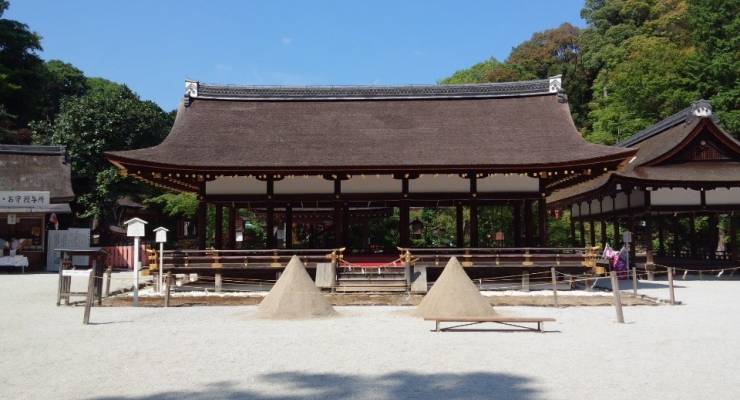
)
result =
(318, 161)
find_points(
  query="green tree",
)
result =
(490, 70)
(61, 80)
(558, 52)
(109, 117)
(650, 84)
(21, 71)
(714, 66)
(639, 51)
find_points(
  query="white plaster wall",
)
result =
(304, 184)
(637, 198)
(723, 196)
(439, 184)
(575, 210)
(675, 197)
(508, 183)
(584, 208)
(371, 184)
(236, 185)
(606, 202)
(595, 207)
(621, 201)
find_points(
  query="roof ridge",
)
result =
(33, 149)
(701, 108)
(196, 89)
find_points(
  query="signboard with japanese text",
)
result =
(24, 199)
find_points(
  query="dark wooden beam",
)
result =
(218, 234)
(527, 223)
(474, 242)
(270, 227)
(733, 237)
(200, 224)
(459, 231)
(289, 227)
(542, 210)
(692, 235)
(517, 221)
(232, 227)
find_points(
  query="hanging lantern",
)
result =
(500, 236)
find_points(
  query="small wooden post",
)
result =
(167, 288)
(617, 297)
(90, 299)
(525, 281)
(554, 286)
(670, 286)
(108, 273)
(218, 282)
(634, 281)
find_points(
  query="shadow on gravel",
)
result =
(399, 385)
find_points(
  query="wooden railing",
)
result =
(240, 259)
(505, 257)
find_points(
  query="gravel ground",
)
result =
(682, 352)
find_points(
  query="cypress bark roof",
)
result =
(662, 159)
(525, 125)
(36, 168)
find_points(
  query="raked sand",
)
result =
(683, 352)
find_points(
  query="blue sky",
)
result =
(153, 46)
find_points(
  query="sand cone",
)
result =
(294, 296)
(454, 295)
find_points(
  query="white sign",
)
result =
(24, 199)
(135, 227)
(12, 219)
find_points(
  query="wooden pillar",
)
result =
(403, 223)
(459, 231)
(288, 227)
(270, 226)
(201, 223)
(648, 240)
(675, 234)
(733, 240)
(338, 225)
(527, 223)
(270, 215)
(661, 235)
(592, 232)
(604, 237)
(617, 234)
(345, 224)
(542, 209)
(517, 221)
(692, 235)
(231, 244)
(473, 223)
(713, 234)
(403, 214)
(583, 231)
(218, 234)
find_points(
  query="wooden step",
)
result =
(369, 289)
(395, 283)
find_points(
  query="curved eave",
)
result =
(128, 163)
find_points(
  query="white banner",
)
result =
(24, 199)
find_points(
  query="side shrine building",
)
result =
(686, 171)
(348, 151)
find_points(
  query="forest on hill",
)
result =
(635, 63)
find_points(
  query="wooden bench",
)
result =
(511, 321)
